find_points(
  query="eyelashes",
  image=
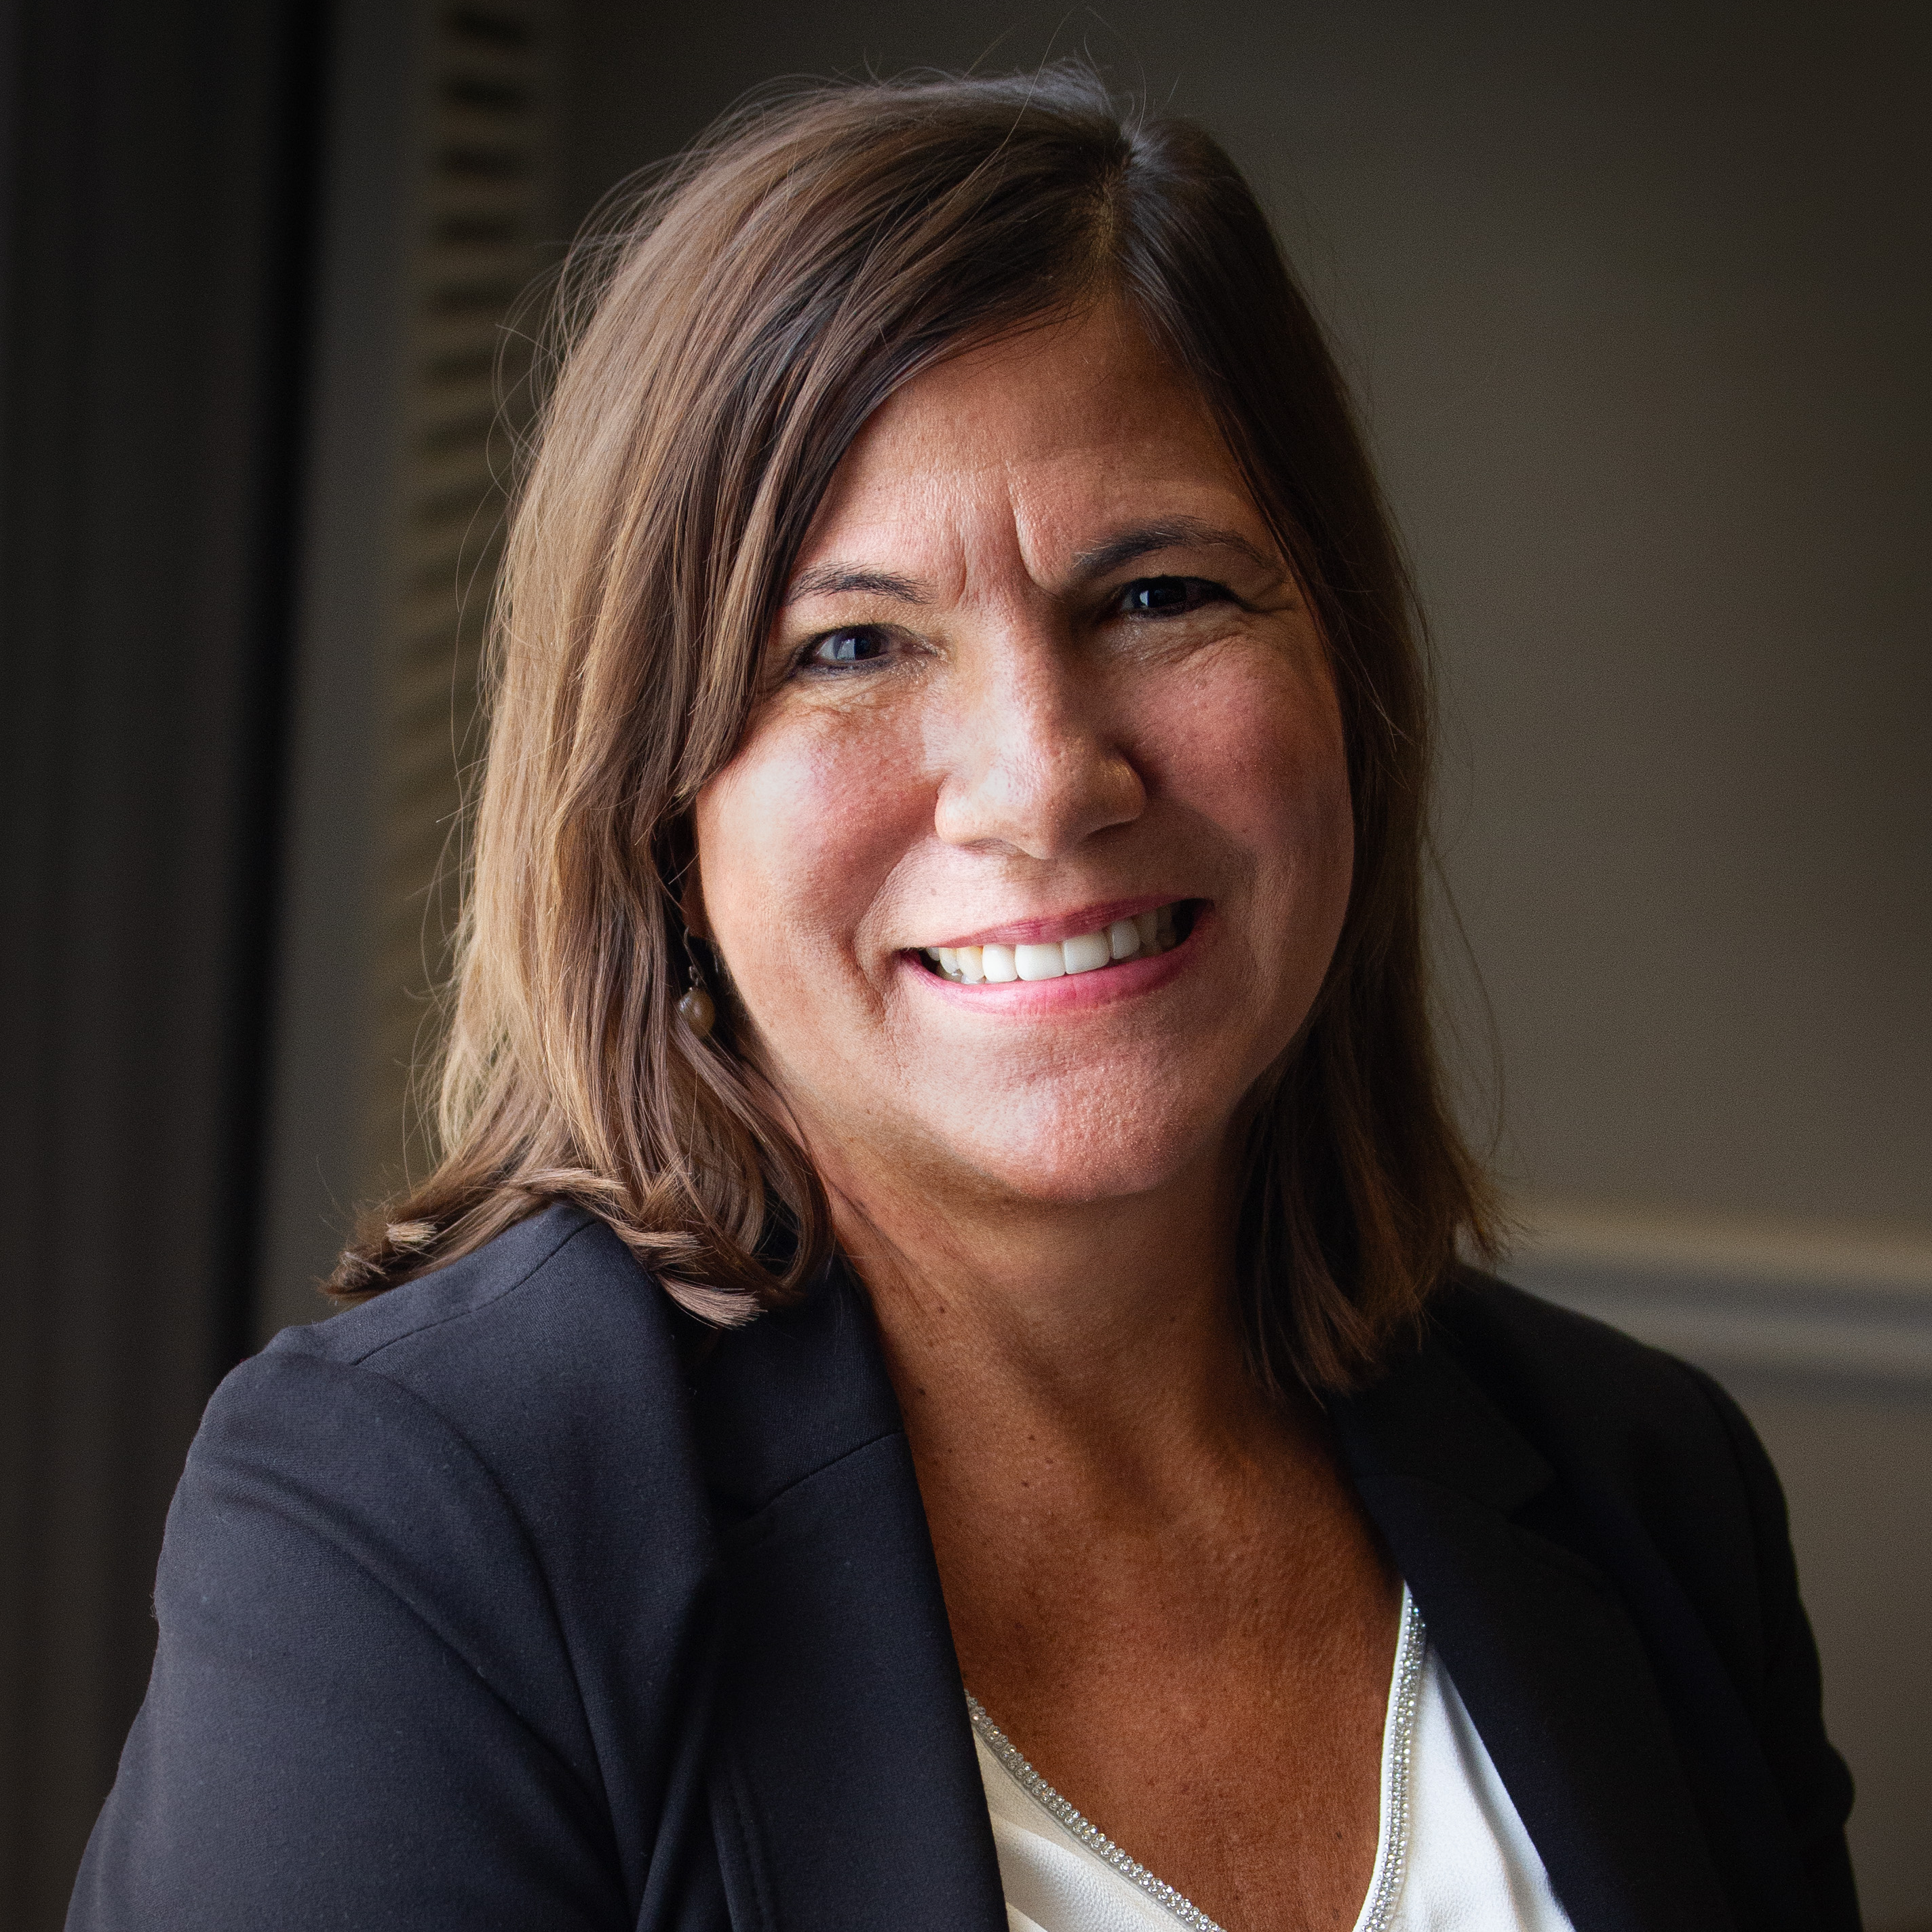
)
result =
(850, 645)
(1159, 597)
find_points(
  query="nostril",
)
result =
(1039, 798)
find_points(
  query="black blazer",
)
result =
(480, 1608)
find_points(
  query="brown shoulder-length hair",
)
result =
(716, 358)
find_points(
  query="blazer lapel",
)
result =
(845, 1788)
(1549, 1663)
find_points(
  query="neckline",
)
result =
(1392, 1822)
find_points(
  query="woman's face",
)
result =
(1050, 709)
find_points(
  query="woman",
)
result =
(947, 884)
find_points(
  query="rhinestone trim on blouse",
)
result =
(1385, 1888)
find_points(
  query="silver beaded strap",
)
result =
(1399, 1748)
(1385, 1888)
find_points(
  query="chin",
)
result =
(1101, 1149)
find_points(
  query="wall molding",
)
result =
(1811, 1302)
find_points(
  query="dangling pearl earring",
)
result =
(695, 1008)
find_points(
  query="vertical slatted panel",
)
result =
(481, 218)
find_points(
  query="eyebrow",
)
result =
(1175, 533)
(837, 580)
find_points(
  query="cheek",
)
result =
(1255, 749)
(795, 837)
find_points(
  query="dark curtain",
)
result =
(154, 171)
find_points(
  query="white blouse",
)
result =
(1451, 1855)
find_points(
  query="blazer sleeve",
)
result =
(362, 1711)
(1816, 1784)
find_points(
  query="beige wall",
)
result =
(1644, 343)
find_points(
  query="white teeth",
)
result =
(1040, 962)
(1150, 932)
(1086, 952)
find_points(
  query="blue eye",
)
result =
(1169, 596)
(858, 644)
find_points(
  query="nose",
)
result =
(1030, 767)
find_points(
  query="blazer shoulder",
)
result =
(1637, 1436)
(559, 1284)
(1661, 1473)
(1541, 1361)
(549, 1351)
(433, 1592)
(462, 1290)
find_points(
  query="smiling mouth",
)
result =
(1140, 938)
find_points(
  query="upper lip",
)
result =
(1045, 931)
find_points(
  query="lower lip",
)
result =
(1072, 992)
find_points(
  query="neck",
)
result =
(1102, 1334)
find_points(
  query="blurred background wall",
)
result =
(1637, 300)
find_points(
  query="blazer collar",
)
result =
(845, 1788)
(1551, 1667)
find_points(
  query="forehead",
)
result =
(1058, 431)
